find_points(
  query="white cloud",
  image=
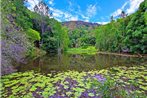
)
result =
(86, 18)
(32, 4)
(56, 12)
(91, 10)
(73, 18)
(134, 5)
(71, 15)
(116, 13)
(103, 23)
(51, 2)
(61, 15)
(72, 6)
(124, 5)
(73, 12)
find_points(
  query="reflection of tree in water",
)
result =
(59, 57)
(82, 62)
(36, 64)
(109, 60)
(65, 62)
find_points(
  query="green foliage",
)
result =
(125, 35)
(82, 50)
(117, 82)
(136, 31)
(74, 35)
(81, 37)
(107, 89)
(61, 34)
(33, 88)
(22, 16)
(49, 43)
(37, 27)
(65, 38)
(106, 37)
(19, 20)
(33, 35)
(53, 36)
(51, 40)
(55, 39)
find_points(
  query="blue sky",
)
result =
(98, 11)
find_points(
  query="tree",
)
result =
(55, 40)
(123, 14)
(112, 18)
(127, 34)
(42, 9)
(34, 36)
(15, 45)
(65, 38)
(136, 31)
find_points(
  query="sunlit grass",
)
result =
(83, 50)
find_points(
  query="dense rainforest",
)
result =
(44, 58)
(34, 33)
(126, 34)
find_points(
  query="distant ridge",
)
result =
(77, 24)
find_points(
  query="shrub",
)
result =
(33, 35)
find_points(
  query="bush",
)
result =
(33, 35)
(50, 44)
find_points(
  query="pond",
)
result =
(65, 62)
(77, 76)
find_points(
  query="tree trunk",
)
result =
(36, 43)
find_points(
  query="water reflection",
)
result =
(65, 62)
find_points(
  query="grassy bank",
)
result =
(82, 50)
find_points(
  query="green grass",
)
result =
(82, 50)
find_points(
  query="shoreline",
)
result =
(124, 54)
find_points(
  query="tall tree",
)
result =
(43, 9)
(112, 18)
(123, 14)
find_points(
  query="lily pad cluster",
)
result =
(125, 82)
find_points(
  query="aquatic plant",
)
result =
(123, 82)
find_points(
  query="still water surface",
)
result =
(65, 62)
